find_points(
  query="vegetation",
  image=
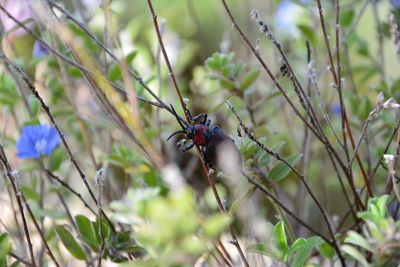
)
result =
(90, 91)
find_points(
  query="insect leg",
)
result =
(203, 116)
(186, 148)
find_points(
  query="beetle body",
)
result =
(218, 149)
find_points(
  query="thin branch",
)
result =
(83, 69)
(302, 178)
(287, 98)
(280, 204)
(188, 118)
(21, 199)
(342, 106)
(35, 93)
(18, 258)
(69, 188)
(22, 214)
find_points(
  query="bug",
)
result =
(217, 148)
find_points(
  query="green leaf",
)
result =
(250, 78)
(214, 225)
(280, 236)
(381, 204)
(326, 250)
(130, 57)
(69, 242)
(29, 193)
(355, 254)
(358, 240)
(346, 17)
(212, 64)
(56, 159)
(114, 73)
(295, 246)
(263, 250)
(87, 232)
(227, 84)
(307, 32)
(267, 158)
(75, 72)
(281, 170)
(105, 228)
(5, 246)
(305, 251)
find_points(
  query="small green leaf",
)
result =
(326, 250)
(114, 73)
(263, 250)
(358, 240)
(212, 64)
(214, 225)
(75, 72)
(307, 31)
(29, 193)
(381, 204)
(355, 254)
(304, 251)
(227, 84)
(295, 246)
(250, 78)
(346, 17)
(130, 57)
(280, 236)
(69, 242)
(56, 158)
(5, 245)
(87, 232)
(281, 170)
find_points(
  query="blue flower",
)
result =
(36, 140)
(395, 3)
(39, 50)
(287, 16)
(336, 109)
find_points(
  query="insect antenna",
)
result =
(177, 118)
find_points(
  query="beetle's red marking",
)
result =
(200, 137)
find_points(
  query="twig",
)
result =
(339, 73)
(69, 188)
(188, 118)
(280, 204)
(371, 116)
(21, 211)
(386, 149)
(83, 69)
(284, 94)
(35, 93)
(337, 85)
(302, 178)
(392, 169)
(20, 196)
(100, 186)
(18, 258)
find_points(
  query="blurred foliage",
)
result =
(379, 237)
(160, 207)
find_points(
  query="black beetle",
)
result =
(218, 149)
